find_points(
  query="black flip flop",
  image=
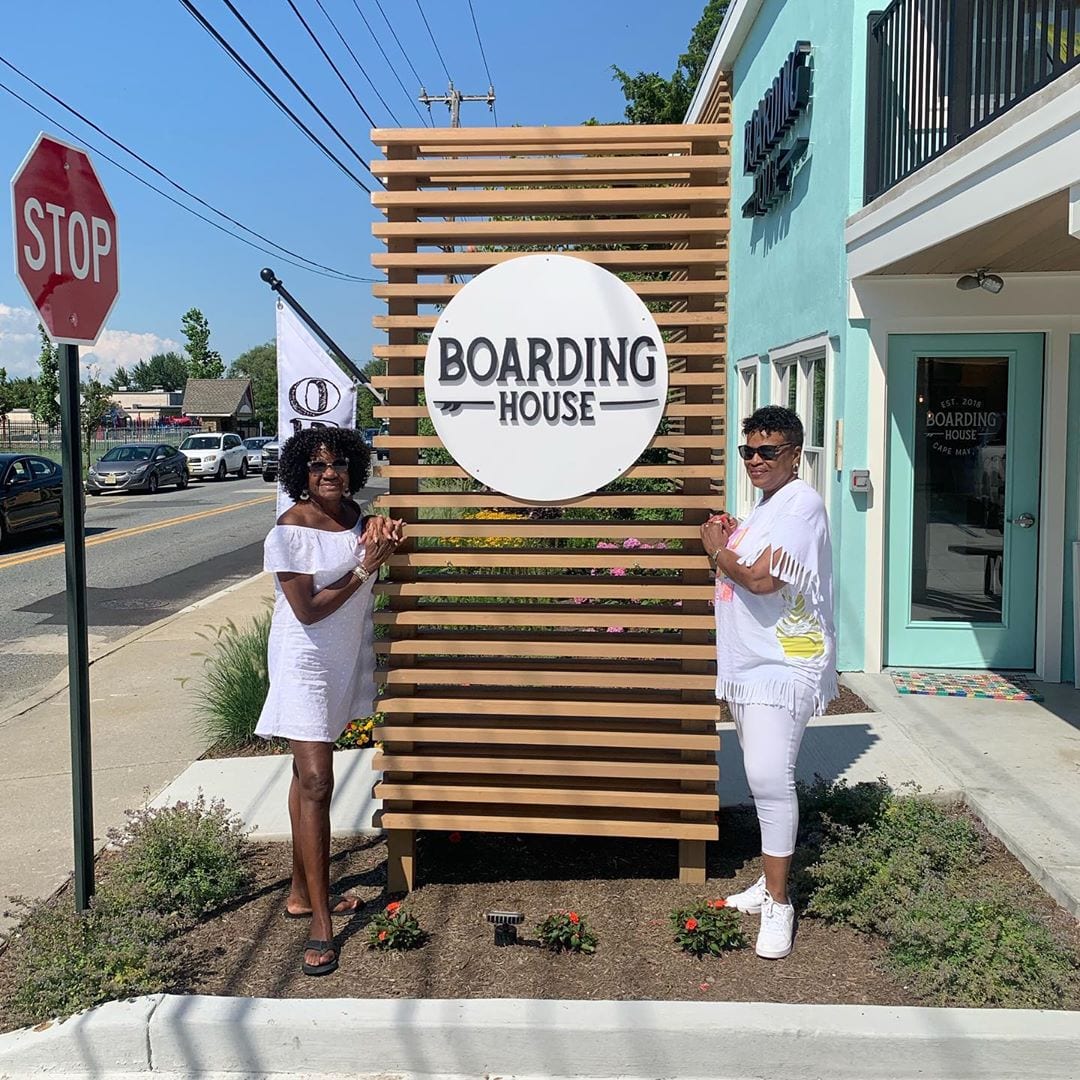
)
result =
(334, 901)
(322, 947)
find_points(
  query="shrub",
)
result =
(185, 859)
(64, 962)
(865, 876)
(394, 928)
(824, 803)
(358, 733)
(566, 931)
(235, 683)
(979, 951)
(710, 926)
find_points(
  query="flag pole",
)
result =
(336, 352)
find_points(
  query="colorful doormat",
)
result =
(978, 684)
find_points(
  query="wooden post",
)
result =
(400, 860)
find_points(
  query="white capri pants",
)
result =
(770, 737)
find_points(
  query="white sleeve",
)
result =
(289, 549)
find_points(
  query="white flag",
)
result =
(312, 390)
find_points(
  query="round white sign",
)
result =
(546, 378)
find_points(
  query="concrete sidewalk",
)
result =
(144, 734)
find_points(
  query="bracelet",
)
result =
(715, 556)
(360, 573)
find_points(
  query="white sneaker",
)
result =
(749, 900)
(777, 929)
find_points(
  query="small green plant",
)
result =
(823, 803)
(235, 683)
(394, 928)
(709, 927)
(64, 962)
(866, 875)
(358, 733)
(185, 859)
(980, 951)
(566, 931)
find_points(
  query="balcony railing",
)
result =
(938, 70)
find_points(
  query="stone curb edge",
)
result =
(60, 683)
(196, 1036)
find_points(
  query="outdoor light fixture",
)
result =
(506, 924)
(981, 279)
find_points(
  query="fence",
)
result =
(33, 438)
(938, 70)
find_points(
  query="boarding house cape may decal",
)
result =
(546, 378)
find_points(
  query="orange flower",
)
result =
(691, 924)
(718, 904)
(573, 917)
(392, 909)
(382, 935)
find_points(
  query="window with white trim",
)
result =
(747, 376)
(801, 384)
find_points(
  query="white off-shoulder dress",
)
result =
(321, 676)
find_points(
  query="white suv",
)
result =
(215, 455)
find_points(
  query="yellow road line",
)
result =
(121, 534)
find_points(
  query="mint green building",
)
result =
(905, 273)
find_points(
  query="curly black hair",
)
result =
(772, 419)
(341, 442)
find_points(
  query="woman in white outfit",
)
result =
(775, 646)
(321, 656)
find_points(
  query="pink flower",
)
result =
(603, 545)
(615, 630)
(618, 571)
(581, 599)
(631, 543)
(660, 545)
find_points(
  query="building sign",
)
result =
(769, 157)
(546, 378)
(959, 426)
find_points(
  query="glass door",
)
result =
(963, 500)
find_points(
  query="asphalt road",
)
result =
(147, 557)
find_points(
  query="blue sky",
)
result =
(149, 75)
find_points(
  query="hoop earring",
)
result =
(305, 495)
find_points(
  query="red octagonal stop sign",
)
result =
(65, 241)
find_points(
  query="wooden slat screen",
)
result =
(549, 670)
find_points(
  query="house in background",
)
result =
(148, 406)
(220, 405)
(905, 273)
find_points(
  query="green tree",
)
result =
(203, 362)
(260, 366)
(168, 370)
(46, 405)
(120, 379)
(6, 398)
(96, 403)
(365, 403)
(652, 99)
(22, 392)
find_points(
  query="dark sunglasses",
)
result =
(341, 464)
(767, 452)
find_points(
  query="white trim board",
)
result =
(1030, 152)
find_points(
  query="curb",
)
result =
(60, 683)
(410, 1038)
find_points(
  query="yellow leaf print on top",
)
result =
(799, 632)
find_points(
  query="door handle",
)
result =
(1023, 521)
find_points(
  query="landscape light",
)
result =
(506, 924)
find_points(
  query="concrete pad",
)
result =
(257, 788)
(107, 1041)
(474, 1038)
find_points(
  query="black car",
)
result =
(138, 467)
(31, 494)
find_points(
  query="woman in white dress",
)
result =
(775, 646)
(326, 557)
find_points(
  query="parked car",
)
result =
(214, 454)
(31, 494)
(255, 447)
(370, 434)
(138, 467)
(270, 461)
(179, 421)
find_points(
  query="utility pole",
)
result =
(453, 99)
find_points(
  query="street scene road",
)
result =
(147, 557)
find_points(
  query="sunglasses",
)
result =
(766, 452)
(340, 464)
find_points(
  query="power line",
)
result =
(348, 49)
(389, 63)
(336, 275)
(386, 20)
(433, 41)
(483, 56)
(299, 89)
(164, 176)
(254, 76)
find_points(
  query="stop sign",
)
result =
(65, 241)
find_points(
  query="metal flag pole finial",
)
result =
(332, 346)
